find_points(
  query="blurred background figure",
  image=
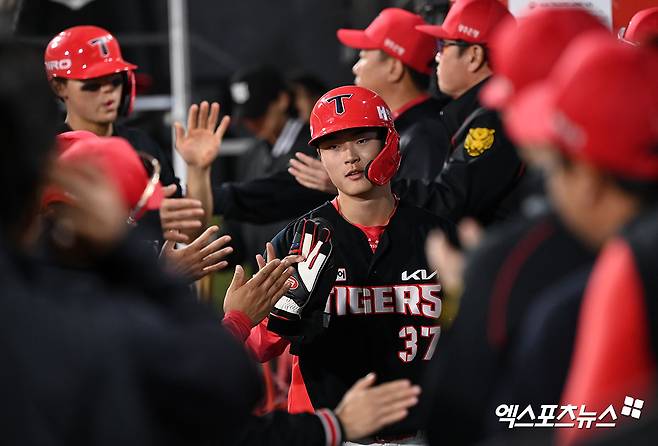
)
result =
(264, 106)
(307, 89)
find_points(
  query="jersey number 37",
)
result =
(410, 336)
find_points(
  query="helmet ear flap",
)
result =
(381, 170)
(128, 94)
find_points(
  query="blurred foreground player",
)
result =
(519, 307)
(599, 191)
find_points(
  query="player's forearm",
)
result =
(199, 187)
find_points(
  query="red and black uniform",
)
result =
(383, 308)
(616, 351)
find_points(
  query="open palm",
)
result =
(200, 144)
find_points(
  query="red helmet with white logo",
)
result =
(87, 52)
(352, 107)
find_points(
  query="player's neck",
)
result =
(100, 129)
(371, 209)
(401, 96)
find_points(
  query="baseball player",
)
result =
(384, 302)
(395, 61)
(88, 74)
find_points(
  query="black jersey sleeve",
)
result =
(302, 429)
(272, 198)
(480, 174)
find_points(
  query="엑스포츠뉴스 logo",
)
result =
(575, 416)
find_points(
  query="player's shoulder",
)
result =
(325, 211)
(483, 131)
(421, 219)
(138, 138)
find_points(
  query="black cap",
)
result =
(254, 89)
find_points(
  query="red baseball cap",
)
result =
(599, 104)
(394, 32)
(472, 21)
(117, 159)
(524, 52)
(67, 139)
(642, 27)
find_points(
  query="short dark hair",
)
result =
(28, 122)
(263, 85)
(312, 84)
(420, 80)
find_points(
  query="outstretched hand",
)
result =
(198, 259)
(200, 144)
(365, 408)
(448, 260)
(310, 173)
(179, 217)
(256, 297)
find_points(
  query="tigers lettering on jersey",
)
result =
(412, 300)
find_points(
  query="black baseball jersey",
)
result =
(384, 307)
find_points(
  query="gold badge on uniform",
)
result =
(478, 140)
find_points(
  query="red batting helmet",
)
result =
(642, 27)
(352, 107)
(87, 52)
